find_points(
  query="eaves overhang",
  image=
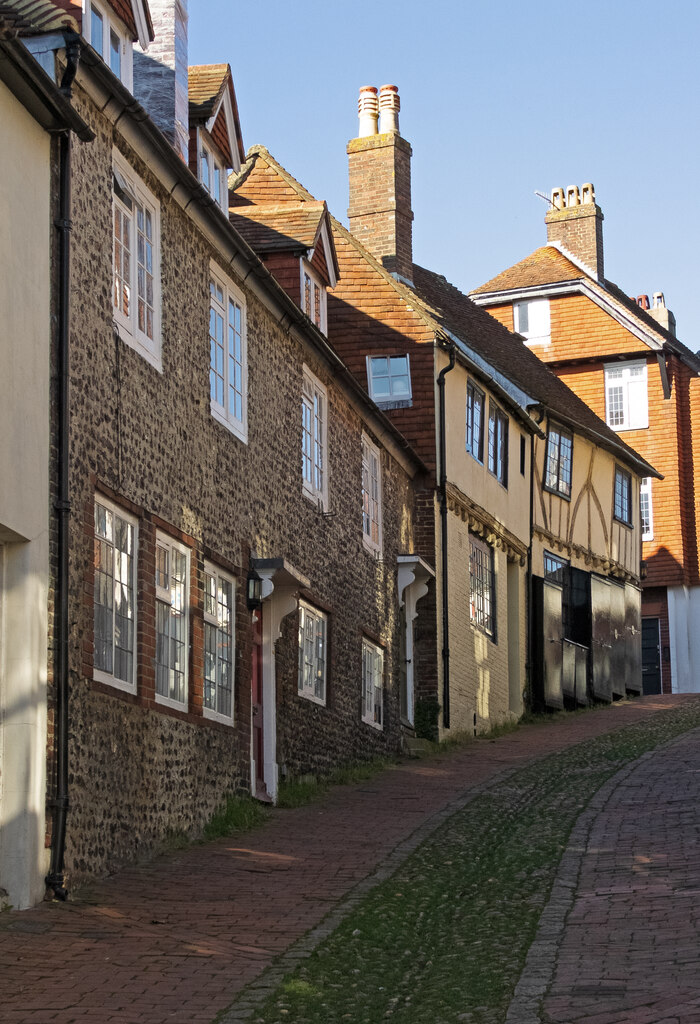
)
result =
(117, 104)
(620, 451)
(602, 298)
(517, 400)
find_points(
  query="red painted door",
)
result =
(257, 704)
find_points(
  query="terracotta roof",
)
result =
(432, 308)
(543, 266)
(547, 265)
(32, 16)
(506, 352)
(279, 227)
(206, 84)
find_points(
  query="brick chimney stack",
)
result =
(380, 182)
(576, 222)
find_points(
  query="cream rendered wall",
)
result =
(508, 505)
(584, 528)
(24, 499)
(487, 674)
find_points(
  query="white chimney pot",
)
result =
(368, 110)
(389, 106)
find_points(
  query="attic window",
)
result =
(531, 319)
(212, 173)
(109, 38)
(313, 296)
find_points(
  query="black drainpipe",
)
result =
(530, 636)
(443, 543)
(55, 879)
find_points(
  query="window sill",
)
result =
(316, 498)
(235, 427)
(377, 726)
(482, 630)
(175, 705)
(312, 698)
(623, 522)
(118, 684)
(372, 549)
(216, 716)
(147, 352)
(385, 406)
(556, 493)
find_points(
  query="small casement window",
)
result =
(228, 367)
(498, 444)
(531, 319)
(313, 296)
(136, 262)
(372, 684)
(172, 621)
(558, 461)
(646, 510)
(114, 588)
(475, 421)
(389, 379)
(481, 585)
(313, 653)
(623, 496)
(314, 471)
(219, 593)
(626, 401)
(212, 174)
(371, 497)
(108, 37)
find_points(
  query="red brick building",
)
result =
(622, 356)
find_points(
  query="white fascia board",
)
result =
(578, 287)
(519, 396)
(225, 102)
(141, 23)
(326, 240)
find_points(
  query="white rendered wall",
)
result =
(684, 630)
(24, 499)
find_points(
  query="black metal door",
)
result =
(651, 656)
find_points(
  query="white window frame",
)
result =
(630, 407)
(141, 198)
(371, 496)
(313, 296)
(314, 427)
(101, 674)
(214, 618)
(625, 493)
(111, 25)
(167, 596)
(392, 400)
(216, 162)
(498, 428)
(531, 318)
(559, 460)
(372, 684)
(645, 497)
(482, 586)
(313, 653)
(223, 364)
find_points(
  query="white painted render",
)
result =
(24, 500)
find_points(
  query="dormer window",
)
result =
(531, 319)
(313, 296)
(108, 37)
(212, 173)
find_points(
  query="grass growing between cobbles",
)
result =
(445, 939)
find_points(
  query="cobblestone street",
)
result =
(179, 940)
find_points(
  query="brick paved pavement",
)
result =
(619, 942)
(176, 940)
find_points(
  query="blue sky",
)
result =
(498, 100)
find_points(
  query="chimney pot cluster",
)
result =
(563, 200)
(659, 300)
(378, 110)
(643, 301)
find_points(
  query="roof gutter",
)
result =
(136, 127)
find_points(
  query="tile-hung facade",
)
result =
(408, 336)
(621, 356)
(242, 544)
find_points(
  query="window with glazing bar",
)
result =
(313, 628)
(114, 589)
(228, 369)
(623, 496)
(371, 496)
(172, 621)
(314, 439)
(558, 461)
(218, 644)
(475, 421)
(372, 684)
(498, 444)
(481, 585)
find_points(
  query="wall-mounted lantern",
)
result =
(254, 590)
